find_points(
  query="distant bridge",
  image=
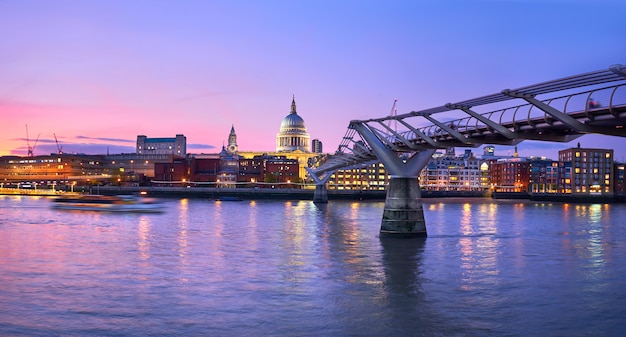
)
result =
(555, 111)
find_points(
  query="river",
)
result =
(282, 268)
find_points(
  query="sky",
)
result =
(95, 74)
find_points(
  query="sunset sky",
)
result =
(98, 73)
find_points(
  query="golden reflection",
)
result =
(182, 237)
(352, 247)
(478, 245)
(144, 234)
(566, 210)
(294, 241)
(253, 239)
(467, 262)
(595, 245)
(218, 217)
(436, 207)
(466, 219)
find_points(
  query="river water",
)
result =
(276, 268)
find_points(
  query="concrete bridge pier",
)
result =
(321, 193)
(403, 216)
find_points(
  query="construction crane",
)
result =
(31, 150)
(393, 113)
(59, 147)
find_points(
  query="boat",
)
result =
(106, 203)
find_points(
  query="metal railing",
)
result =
(593, 102)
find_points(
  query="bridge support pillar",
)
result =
(403, 216)
(321, 194)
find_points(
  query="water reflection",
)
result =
(143, 243)
(296, 268)
(182, 238)
(401, 264)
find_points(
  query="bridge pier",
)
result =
(321, 194)
(403, 216)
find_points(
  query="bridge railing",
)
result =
(493, 115)
(588, 102)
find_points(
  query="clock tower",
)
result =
(232, 141)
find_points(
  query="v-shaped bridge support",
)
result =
(403, 215)
(321, 193)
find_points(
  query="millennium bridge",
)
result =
(560, 110)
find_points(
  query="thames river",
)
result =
(281, 268)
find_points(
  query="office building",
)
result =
(176, 146)
(316, 146)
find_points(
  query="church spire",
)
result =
(293, 105)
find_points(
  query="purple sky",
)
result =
(98, 73)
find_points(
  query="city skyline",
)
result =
(97, 74)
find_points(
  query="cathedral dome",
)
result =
(292, 135)
(292, 121)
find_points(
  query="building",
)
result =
(171, 174)
(586, 171)
(203, 169)
(232, 147)
(133, 167)
(371, 177)
(292, 135)
(228, 169)
(620, 183)
(544, 176)
(176, 146)
(316, 146)
(509, 175)
(53, 171)
(449, 172)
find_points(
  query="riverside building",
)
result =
(586, 171)
(449, 172)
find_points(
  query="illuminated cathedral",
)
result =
(292, 135)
